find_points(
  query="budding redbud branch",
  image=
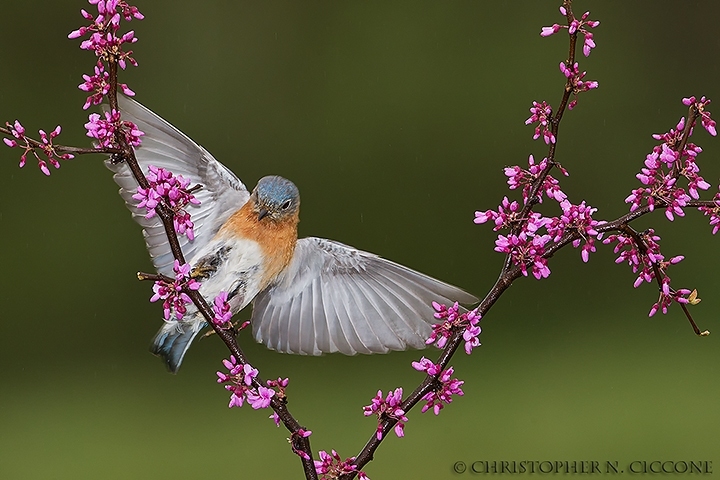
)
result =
(118, 137)
(526, 250)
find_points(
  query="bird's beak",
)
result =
(262, 214)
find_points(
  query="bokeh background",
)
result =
(395, 120)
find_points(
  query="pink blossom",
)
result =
(714, 213)
(588, 44)
(673, 137)
(173, 190)
(470, 336)
(576, 26)
(275, 418)
(667, 297)
(104, 129)
(129, 12)
(221, 308)
(172, 293)
(249, 374)
(663, 167)
(183, 225)
(547, 31)
(103, 28)
(260, 398)
(280, 382)
(526, 250)
(507, 214)
(278, 385)
(45, 145)
(519, 177)
(707, 122)
(99, 85)
(576, 218)
(525, 245)
(442, 395)
(294, 436)
(453, 321)
(542, 115)
(425, 365)
(330, 466)
(646, 260)
(239, 382)
(388, 407)
(575, 78)
(236, 399)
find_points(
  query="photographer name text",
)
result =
(499, 467)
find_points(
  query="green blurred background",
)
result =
(395, 120)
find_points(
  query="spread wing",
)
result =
(335, 298)
(165, 146)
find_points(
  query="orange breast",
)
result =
(276, 238)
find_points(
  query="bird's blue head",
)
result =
(276, 198)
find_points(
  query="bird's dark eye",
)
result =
(285, 205)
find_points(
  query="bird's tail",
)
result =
(173, 340)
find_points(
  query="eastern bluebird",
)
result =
(310, 295)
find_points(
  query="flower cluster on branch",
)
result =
(32, 146)
(173, 292)
(239, 382)
(173, 190)
(532, 236)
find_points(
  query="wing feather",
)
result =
(335, 329)
(347, 334)
(308, 336)
(400, 316)
(165, 146)
(351, 301)
(325, 317)
(359, 321)
(387, 337)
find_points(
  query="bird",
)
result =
(309, 296)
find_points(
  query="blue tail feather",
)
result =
(171, 343)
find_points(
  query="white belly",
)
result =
(239, 271)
